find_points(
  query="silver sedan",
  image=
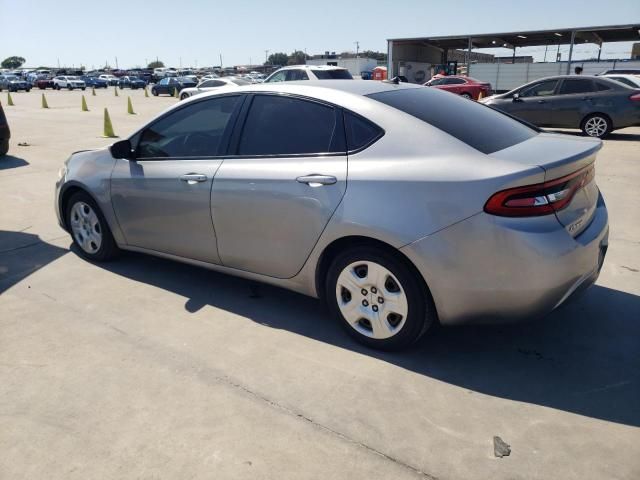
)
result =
(401, 206)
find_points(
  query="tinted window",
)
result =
(333, 74)
(278, 125)
(454, 81)
(576, 86)
(437, 81)
(542, 89)
(293, 75)
(479, 126)
(240, 82)
(360, 132)
(192, 131)
(601, 87)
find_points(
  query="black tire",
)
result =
(4, 147)
(83, 88)
(421, 313)
(184, 96)
(600, 118)
(28, 90)
(108, 249)
(154, 92)
(466, 95)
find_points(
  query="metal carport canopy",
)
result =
(532, 38)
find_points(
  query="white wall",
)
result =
(507, 76)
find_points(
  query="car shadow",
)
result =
(22, 254)
(583, 358)
(9, 161)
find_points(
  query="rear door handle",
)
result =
(192, 178)
(315, 180)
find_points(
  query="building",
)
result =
(635, 51)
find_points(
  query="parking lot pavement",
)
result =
(144, 368)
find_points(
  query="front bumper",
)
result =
(489, 269)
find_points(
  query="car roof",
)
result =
(312, 67)
(319, 87)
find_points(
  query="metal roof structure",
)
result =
(597, 35)
(530, 38)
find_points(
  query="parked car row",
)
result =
(13, 83)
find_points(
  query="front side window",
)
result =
(278, 76)
(164, 81)
(193, 131)
(570, 86)
(542, 89)
(279, 125)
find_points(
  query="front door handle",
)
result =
(193, 178)
(315, 180)
(542, 101)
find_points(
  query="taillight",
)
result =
(635, 97)
(539, 199)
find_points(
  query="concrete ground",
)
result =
(144, 368)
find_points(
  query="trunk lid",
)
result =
(560, 156)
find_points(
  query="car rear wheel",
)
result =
(596, 125)
(89, 229)
(378, 298)
(154, 92)
(184, 96)
(466, 95)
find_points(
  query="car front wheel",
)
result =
(89, 229)
(378, 298)
(596, 125)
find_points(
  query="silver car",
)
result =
(401, 206)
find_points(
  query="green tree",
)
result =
(156, 64)
(13, 62)
(297, 58)
(279, 58)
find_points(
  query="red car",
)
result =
(44, 83)
(466, 86)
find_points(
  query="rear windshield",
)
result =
(333, 74)
(477, 125)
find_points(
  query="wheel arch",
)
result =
(591, 114)
(341, 244)
(65, 195)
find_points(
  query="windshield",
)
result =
(240, 82)
(475, 124)
(338, 74)
(12, 78)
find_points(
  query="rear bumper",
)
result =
(490, 269)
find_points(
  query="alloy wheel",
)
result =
(86, 227)
(596, 126)
(372, 300)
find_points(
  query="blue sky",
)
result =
(90, 32)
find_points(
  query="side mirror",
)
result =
(122, 149)
(516, 97)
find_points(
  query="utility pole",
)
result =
(358, 58)
(266, 57)
(220, 61)
(116, 63)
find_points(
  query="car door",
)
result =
(577, 98)
(273, 197)
(162, 198)
(533, 103)
(454, 85)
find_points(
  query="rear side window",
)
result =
(360, 132)
(601, 87)
(333, 74)
(293, 75)
(570, 86)
(279, 125)
(477, 125)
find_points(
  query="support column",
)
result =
(573, 38)
(390, 59)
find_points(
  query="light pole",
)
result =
(357, 57)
